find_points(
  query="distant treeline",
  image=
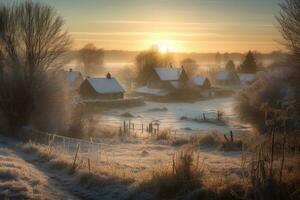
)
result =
(129, 56)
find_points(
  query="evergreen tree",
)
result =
(230, 65)
(249, 65)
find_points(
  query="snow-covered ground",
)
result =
(23, 176)
(170, 117)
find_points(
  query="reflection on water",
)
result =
(170, 117)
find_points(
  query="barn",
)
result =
(101, 88)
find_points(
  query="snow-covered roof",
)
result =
(247, 77)
(223, 75)
(152, 91)
(72, 75)
(168, 74)
(105, 85)
(197, 80)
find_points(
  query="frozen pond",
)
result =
(169, 117)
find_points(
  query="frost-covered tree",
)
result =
(32, 42)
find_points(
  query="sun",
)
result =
(164, 46)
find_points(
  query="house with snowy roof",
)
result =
(168, 78)
(199, 82)
(73, 78)
(227, 77)
(106, 88)
(246, 78)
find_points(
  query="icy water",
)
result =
(170, 116)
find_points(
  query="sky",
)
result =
(172, 25)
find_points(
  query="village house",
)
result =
(168, 78)
(227, 78)
(199, 82)
(164, 81)
(247, 78)
(73, 78)
(202, 85)
(106, 88)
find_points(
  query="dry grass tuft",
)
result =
(163, 135)
(181, 178)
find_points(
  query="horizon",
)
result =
(191, 26)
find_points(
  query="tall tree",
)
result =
(289, 21)
(92, 59)
(32, 41)
(230, 65)
(249, 65)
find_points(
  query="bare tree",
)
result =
(32, 41)
(289, 21)
(92, 59)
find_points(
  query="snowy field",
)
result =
(169, 115)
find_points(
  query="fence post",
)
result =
(89, 164)
(231, 136)
(142, 128)
(173, 164)
(75, 158)
(124, 127)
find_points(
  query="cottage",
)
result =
(73, 78)
(227, 77)
(168, 78)
(101, 88)
(246, 78)
(199, 82)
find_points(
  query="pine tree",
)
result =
(249, 65)
(230, 65)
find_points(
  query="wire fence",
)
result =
(92, 150)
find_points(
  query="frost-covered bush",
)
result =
(272, 89)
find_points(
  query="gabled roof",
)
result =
(247, 77)
(225, 75)
(197, 80)
(168, 74)
(72, 75)
(105, 85)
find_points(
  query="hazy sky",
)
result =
(174, 25)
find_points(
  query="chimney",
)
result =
(70, 70)
(108, 75)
